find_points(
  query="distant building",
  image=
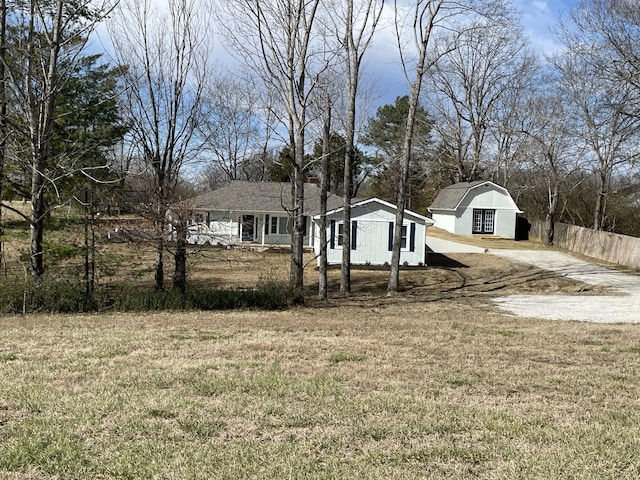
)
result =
(472, 208)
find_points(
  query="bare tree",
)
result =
(324, 188)
(355, 25)
(48, 38)
(545, 125)
(608, 33)
(167, 55)
(230, 125)
(3, 117)
(420, 24)
(509, 145)
(276, 38)
(602, 124)
(478, 65)
(600, 71)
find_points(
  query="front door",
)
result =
(248, 228)
(483, 221)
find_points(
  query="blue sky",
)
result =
(538, 17)
(382, 63)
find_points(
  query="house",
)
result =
(372, 229)
(252, 212)
(246, 212)
(480, 207)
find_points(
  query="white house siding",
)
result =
(485, 197)
(372, 236)
(225, 229)
(221, 229)
(445, 221)
(504, 221)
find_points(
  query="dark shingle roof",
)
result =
(270, 197)
(450, 197)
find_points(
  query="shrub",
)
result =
(266, 296)
(55, 296)
(46, 295)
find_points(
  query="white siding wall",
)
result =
(372, 237)
(464, 221)
(505, 224)
(445, 221)
(483, 197)
(223, 229)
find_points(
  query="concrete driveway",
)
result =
(438, 245)
(622, 306)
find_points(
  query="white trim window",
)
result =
(279, 225)
(408, 243)
(336, 234)
(483, 221)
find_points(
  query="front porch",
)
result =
(241, 228)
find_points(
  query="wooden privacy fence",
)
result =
(610, 247)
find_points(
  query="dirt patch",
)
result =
(454, 276)
(447, 276)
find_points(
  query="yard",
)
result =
(430, 383)
(440, 390)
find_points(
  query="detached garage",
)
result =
(372, 228)
(476, 208)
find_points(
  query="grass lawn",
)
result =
(432, 383)
(404, 390)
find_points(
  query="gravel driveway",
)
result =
(622, 306)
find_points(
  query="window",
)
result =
(408, 233)
(284, 226)
(280, 226)
(483, 221)
(340, 234)
(336, 235)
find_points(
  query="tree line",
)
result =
(161, 107)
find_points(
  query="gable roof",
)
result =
(268, 197)
(426, 220)
(449, 198)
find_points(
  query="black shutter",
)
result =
(354, 230)
(390, 236)
(412, 237)
(266, 224)
(332, 238)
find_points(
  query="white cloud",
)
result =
(542, 7)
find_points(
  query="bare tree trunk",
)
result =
(356, 43)
(296, 279)
(324, 187)
(345, 271)
(550, 218)
(600, 209)
(159, 269)
(427, 13)
(36, 222)
(180, 255)
(3, 117)
(41, 120)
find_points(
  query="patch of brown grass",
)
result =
(447, 389)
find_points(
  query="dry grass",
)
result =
(430, 383)
(447, 389)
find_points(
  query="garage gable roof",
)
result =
(450, 197)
